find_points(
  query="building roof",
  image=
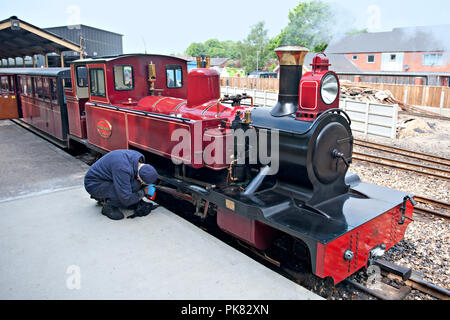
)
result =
(35, 71)
(19, 38)
(339, 63)
(218, 61)
(81, 26)
(411, 39)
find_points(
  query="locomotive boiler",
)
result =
(294, 200)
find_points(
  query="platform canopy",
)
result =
(20, 39)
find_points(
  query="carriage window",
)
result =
(29, 87)
(11, 84)
(46, 86)
(23, 85)
(97, 78)
(53, 91)
(39, 89)
(174, 76)
(82, 77)
(123, 78)
(4, 83)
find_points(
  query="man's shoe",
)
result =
(112, 212)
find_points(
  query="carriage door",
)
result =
(77, 93)
(9, 100)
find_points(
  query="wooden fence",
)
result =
(429, 96)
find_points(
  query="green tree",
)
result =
(255, 49)
(310, 25)
(196, 49)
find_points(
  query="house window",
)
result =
(371, 58)
(97, 81)
(82, 78)
(123, 78)
(354, 57)
(174, 75)
(432, 59)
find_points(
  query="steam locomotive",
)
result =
(271, 177)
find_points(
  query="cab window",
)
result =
(67, 83)
(174, 76)
(82, 76)
(97, 81)
(123, 78)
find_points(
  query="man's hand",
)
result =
(150, 192)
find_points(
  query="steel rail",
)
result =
(403, 152)
(433, 202)
(399, 164)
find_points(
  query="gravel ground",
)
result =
(426, 246)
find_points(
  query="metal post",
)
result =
(46, 60)
(394, 122)
(257, 60)
(23, 58)
(15, 62)
(34, 60)
(62, 59)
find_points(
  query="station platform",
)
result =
(55, 244)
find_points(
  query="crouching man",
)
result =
(120, 179)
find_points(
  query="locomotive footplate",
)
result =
(350, 223)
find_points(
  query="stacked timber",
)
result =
(363, 93)
(366, 93)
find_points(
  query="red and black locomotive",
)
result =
(152, 104)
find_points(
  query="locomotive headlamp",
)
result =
(319, 90)
(329, 88)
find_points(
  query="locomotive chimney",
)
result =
(291, 60)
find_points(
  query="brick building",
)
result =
(422, 53)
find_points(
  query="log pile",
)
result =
(363, 93)
(366, 93)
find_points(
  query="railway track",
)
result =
(404, 152)
(408, 278)
(435, 203)
(435, 166)
(404, 165)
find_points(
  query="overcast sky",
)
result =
(169, 26)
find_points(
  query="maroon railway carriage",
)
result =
(311, 208)
(37, 97)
